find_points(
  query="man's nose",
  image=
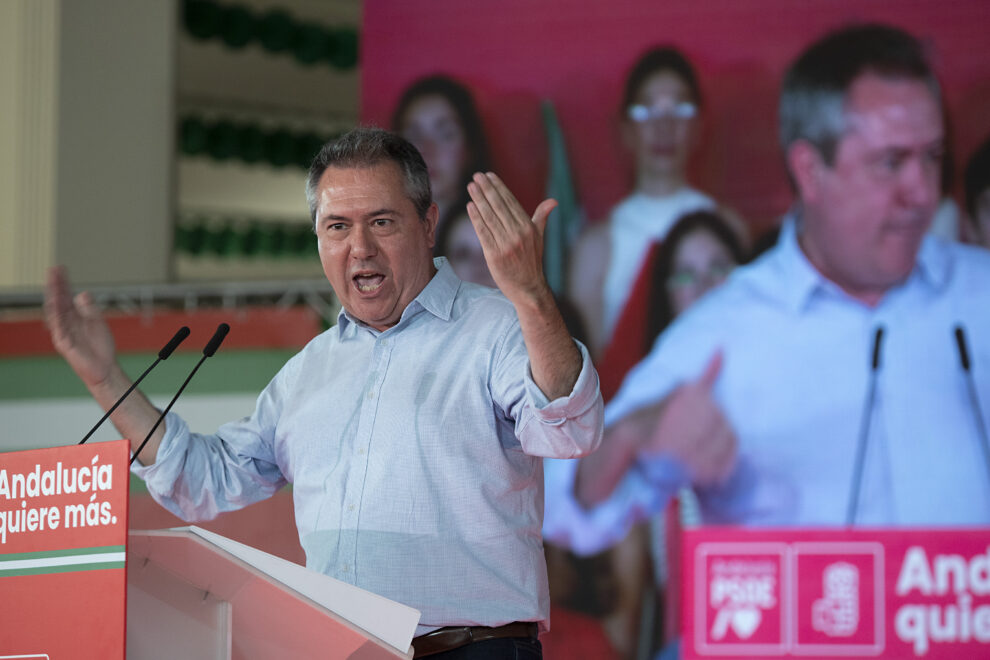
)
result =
(363, 244)
(920, 182)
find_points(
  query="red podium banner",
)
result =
(63, 531)
(836, 593)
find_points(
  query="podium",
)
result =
(194, 594)
(68, 565)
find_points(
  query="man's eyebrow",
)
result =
(381, 211)
(937, 143)
(372, 214)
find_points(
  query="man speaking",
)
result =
(413, 431)
(824, 383)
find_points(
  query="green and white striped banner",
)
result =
(62, 561)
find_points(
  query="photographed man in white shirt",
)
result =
(413, 431)
(758, 395)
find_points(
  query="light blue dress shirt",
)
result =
(793, 385)
(414, 454)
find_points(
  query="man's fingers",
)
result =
(56, 287)
(725, 459)
(503, 199)
(542, 214)
(721, 458)
(712, 369)
(698, 432)
(506, 207)
(84, 303)
(58, 305)
(56, 276)
(479, 189)
(714, 461)
(481, 227)
(51, 295)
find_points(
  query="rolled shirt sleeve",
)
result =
(197, 476)
(567, 427)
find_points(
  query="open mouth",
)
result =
(368, 282)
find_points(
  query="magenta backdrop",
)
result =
(576, 53)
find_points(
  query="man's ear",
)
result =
(806, 165)
(432, 219)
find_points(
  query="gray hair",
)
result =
(813, 96)
(366, 147)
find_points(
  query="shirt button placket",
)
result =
(360, 461)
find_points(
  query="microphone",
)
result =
(864, 429)
(163, 354)
(208, 351)
(974, 400)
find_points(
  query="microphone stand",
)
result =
(864, 433)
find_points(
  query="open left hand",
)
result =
(511, 241)
(78, 330)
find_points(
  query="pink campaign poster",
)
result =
(63, 530)
(836, 594)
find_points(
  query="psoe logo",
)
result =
(740, 590)
(836, 613)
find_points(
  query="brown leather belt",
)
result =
(452, 637)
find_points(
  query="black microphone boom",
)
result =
(208, 351)
(163, 354)
(215, 341)
(974, 399)
(963, 350)
(864, 430)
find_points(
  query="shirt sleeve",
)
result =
(197, 477)
(567, 427)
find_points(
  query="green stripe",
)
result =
(48, 376)
(70, 552)
(138, 485)
(69, 568)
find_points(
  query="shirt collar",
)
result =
(934, 262)
(932, 266)
(437, 298)
(792, 266)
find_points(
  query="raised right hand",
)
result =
(78, 330)
(692, 427)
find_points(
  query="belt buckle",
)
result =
(440, 640)
(454, 637)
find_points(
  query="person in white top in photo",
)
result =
(660, 112)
